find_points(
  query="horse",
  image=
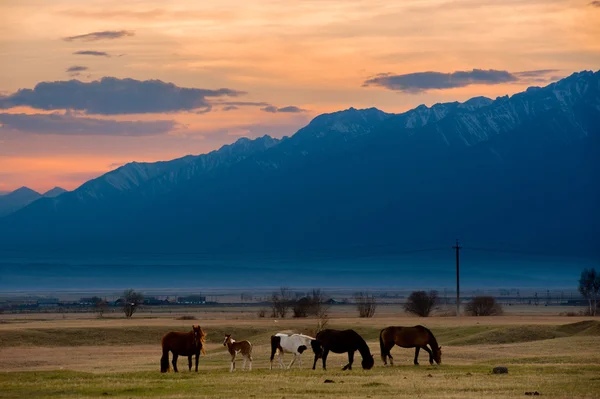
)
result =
(244, 347)
(289, 343)
(417, 337)
(181, 343)
(341, 341)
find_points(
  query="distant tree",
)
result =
(281, 302)
(365, 304)
(589, 287)
(483, 306)
(421, 303)
(131, 300)
(312, 304)
(100, 305)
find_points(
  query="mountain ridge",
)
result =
(359, 177)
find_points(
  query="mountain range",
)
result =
(519, 172)
(13, 201)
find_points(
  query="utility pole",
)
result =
(457, 247)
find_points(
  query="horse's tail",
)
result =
(164, 361)
(384, 352)
(275, 344)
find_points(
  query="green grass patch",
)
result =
(406, 382)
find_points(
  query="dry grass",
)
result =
(120, 358)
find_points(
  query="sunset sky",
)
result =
(157, 80)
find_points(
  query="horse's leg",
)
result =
(232, 367)
(197, 358)
(350, 361)
(389, 352)
(174, 361)
(325, 353)
(244, 363)
(293, 360)
(164, 361)
(417, 356)
(190, 362)
(280, 358)
(430, 354)
(250, 363)
(315, 362)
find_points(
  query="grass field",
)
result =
(557, 357)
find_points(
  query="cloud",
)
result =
(94, 36)
(67, 124)
(595, 3)
(243, 103)
(419, 82)
(93, 53)
(112, 96)
(536, 73)
(289, 108)
(77, 68)
(230, 108)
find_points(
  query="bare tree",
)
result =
(100, 305)
(131, 300)
(589, 287)
(365, 303)
(312, 304)
(421, 303)
(483, 306)
(321, 311)
(280, 302)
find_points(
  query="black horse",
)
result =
(342, 341)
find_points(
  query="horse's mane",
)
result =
(434, 344)
(202, 340)
(363, 348)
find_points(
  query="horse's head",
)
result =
(437, 355)
(227, 339)
(198, 334)
(368, 362)
(317, 347)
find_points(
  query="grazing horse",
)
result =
(289, 343)
(342, 341)
(244, 347)
(184, 344)
(417, 337)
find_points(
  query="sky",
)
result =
(87, 86)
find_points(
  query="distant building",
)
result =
(153, 301)
(48, 303)
(192, 300)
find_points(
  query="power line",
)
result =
(516, 252)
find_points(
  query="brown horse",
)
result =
(417, 337)
(342, 341)
(184, 344)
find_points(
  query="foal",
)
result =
(244, 347)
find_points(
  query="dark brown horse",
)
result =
(417, 337)
(342, 341)
(184, 344)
